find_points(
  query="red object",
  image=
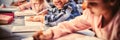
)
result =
(6, 18)
(8, 14)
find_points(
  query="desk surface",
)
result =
(18, 23)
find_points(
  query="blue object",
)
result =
(56, 16)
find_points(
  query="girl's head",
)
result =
(101, 7)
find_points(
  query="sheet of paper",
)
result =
(28, 38)
(25, 13)
(87, 32)
(30, 23)
(25, 29)
(8, 9)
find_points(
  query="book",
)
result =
(6, 18)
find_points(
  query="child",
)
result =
(37, 6)
(18, 3)
(64, 10)
(103, 16)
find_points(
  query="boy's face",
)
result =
(59, 3)
(97, 7)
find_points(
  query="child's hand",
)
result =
(37, 35)
(39, 18)
(43, 35)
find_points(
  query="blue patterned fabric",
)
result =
(56, 16)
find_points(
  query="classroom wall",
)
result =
(6, 2)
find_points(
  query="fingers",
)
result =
(37, 19)
(40, 36)
(37, 35)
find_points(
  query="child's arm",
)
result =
(24, 6)
(43, 12)
(79, 23)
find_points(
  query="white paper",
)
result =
(30, 23)
(25, 13)
(25, 28)
(8, 9)
(28, 38)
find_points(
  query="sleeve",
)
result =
(74, 12)
(24, 6)
(43, 12)
(63, 28)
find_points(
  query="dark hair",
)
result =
(115, 7)
(117, 3)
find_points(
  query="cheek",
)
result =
(54, 3)
(96, 11)
(64, 1)
(59, 4)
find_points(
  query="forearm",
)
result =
(79, 23)
(43, 12)
(68, 27)
(24, 6)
